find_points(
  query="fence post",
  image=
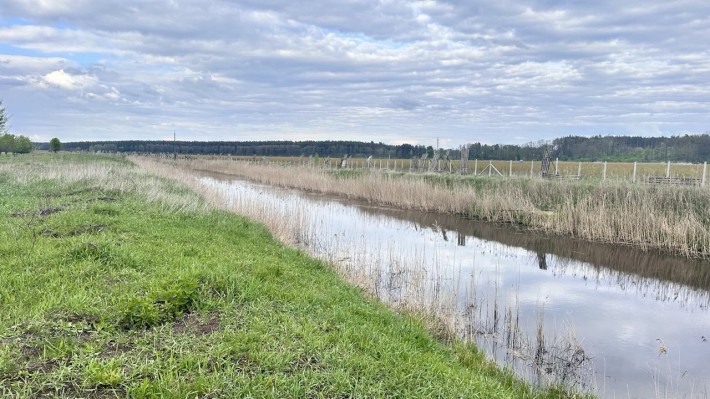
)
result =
(475, 166)
(490, 168)
(634, 178)
(668, 170)
(557, 161)
(604, 174)
(532, 165)
(579, 170)
(510, 169)
(705, 169)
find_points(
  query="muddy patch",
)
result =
(77, 231)
(40, 212)
(193, 323)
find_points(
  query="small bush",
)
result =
(176, 300)
(103, 373)
(167, 304)
(139, 313)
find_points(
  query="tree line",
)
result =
(9, 143)
(688, 148)
(332, 149)
(252, 148)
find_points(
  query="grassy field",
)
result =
(588, 170)
(670, 218)
(116, 283)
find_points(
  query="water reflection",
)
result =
(647, 272)
(640, 316)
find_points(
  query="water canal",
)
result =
(617, 321)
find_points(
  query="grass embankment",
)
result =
(670, 218)
(118, 284)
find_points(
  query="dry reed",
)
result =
(106, 177)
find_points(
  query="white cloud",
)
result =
(15, 65)
(66, 81)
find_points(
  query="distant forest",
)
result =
(686, 148)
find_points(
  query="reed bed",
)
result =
(669, 218)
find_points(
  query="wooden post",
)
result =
(633, 179)
(475, 166)
(490, 168)
(510, 168)
(557, 161)
(579, 170)
(668, 169)
(705, 169)
(532, 165)
(604, 174)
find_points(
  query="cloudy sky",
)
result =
(382, 70)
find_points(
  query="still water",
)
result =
(614, 320)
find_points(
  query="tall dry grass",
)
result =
(106, 177)
(285, 223)
(669, 218)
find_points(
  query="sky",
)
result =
(391, 71)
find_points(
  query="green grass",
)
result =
(106, 294)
